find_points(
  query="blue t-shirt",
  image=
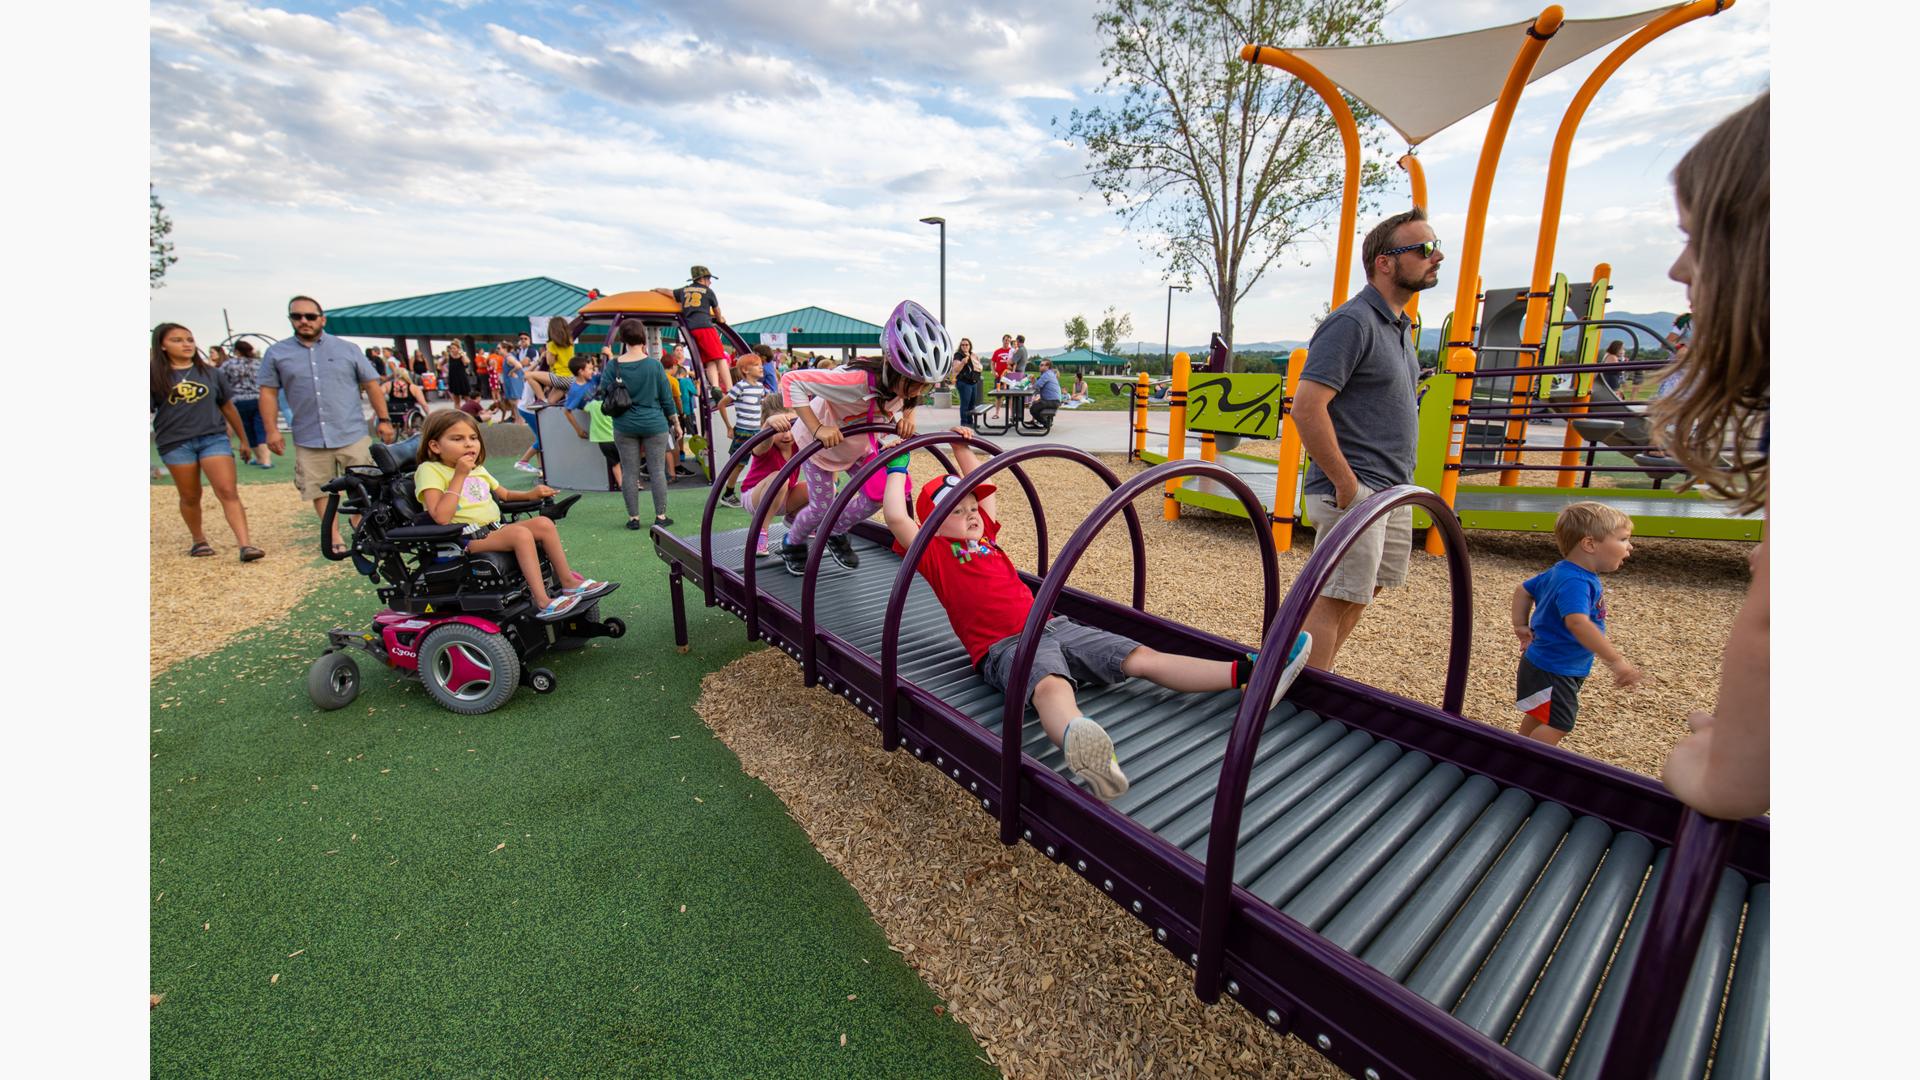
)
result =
(1564, 589)
(580, 391)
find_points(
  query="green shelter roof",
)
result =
(812, 326)
(495, 311)
(1088, 358)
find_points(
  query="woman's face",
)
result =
(178, 345)
(1683, 268)
(966, 347)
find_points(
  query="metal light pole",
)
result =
(942, 222)
(1168, 346)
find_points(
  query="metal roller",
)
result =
(1690, 1044)
(1375, 903)
(1565, 991)
(1157, 777)
(1356, 815)
(1743, 1052)
(1514, 966)
(1464, 945)
(1290, 792)
(1316, 903)
(1260, 850)
(1407, 937)
(1587, 1058)
(1187, 812)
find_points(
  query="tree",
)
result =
(161, 255)
(1111, 329)
(1077, 332)
(1222, 165)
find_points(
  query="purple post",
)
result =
(749, 593)
(739, 455)
(809, 640)
(897, 600)
(1229, 800)
(1121, 498)
(1674, 925)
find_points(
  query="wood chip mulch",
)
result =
(197, 604)
(1053, 978)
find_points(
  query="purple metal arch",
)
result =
(809, 639)
(1013, 719)
(897, 600)
(751, 593)
(1674, 926)
(1229, 799)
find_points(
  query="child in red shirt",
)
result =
(987, 605)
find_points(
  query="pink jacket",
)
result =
(838, 396)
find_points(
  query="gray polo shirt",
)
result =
(1364, 353)
(321, 385)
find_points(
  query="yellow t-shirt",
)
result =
(560, 358)
(476, 505)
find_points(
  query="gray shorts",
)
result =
(1378, 559)
(1079, 654)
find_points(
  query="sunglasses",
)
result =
(1426, 248)
(302, 316)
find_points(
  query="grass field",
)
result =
(581, 884)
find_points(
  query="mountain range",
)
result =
(1658, 321)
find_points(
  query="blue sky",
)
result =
(376, 150)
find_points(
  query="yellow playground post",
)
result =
(1177, 426)
(1460, 354)
(1141, 391)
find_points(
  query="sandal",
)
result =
(248, 553)
(340, 551)
(200, 550)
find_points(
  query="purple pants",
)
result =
(820, 495)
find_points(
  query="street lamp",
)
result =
(1168, 347)
(942, 222)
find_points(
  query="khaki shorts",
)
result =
(1378, 559)
(314, 466)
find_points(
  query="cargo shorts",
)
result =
(1077, 653)
(1378, 559)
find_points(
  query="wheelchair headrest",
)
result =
(384, 457)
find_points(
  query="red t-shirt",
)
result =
(1000, 361)
(992, 601)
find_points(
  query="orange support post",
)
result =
(1177, 426)
(1142, 390)
(1208, 451)
(1286, 494)
(1349, 142)
(1460, 354)
(1417, 180)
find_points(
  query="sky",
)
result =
(380, 150)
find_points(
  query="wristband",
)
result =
(898, 464)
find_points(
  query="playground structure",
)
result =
(1474, 416)
(1388, 880)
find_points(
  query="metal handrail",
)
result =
(734, 461)
(809, 639)
(750, 592)
(897, 600)
(1013, 719)
(1236, 769)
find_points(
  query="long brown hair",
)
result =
(439, 424)
(162, 369)
(1724, 387)
(559, 334)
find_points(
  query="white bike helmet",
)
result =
(917, 346)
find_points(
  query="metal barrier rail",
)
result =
(1229, 800)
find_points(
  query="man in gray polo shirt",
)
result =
(1359, 421)
(323, 377)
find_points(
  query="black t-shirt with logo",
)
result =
(697, 305)
(191, 409)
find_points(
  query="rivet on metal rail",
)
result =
(1050, 850)
(1233, 987)
(1081, 866)
(1107, 884)
(1138, 907)
(1160, 934)
(1273, 1017)
(1323, 1042)
(1371, 1074)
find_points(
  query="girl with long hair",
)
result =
(1721, 397)
(192, 416)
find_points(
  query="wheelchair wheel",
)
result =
(333, 681)
(468, 670)
(616, 628)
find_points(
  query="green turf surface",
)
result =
(369, 842)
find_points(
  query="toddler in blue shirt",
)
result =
(1560, 617)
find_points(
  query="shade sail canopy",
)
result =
(1423, 87)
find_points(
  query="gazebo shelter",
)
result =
(478, 316)
(1092, 359)
(813, 328)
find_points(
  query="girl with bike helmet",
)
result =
(917, 354)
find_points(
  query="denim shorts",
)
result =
(191, 451)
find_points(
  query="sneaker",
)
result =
(795, 558)
(1296, 660)
(634, 524)
(1089, 751)
(842, 549)
(765, 547)
(559, 608)
(526, 466)
(731, 498)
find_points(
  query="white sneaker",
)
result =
(1089, 751)
(526, 466)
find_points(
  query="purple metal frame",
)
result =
(1273, 966)
(897, 600)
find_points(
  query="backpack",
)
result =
(615, 398)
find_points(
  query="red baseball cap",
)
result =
(939, 488)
